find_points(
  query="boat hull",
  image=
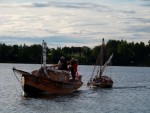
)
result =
(103, 85)
(38, 84)
(103, 82)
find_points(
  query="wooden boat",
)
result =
(99, 79)
(48, 79)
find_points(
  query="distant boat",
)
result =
(48, 79)
(101, 80)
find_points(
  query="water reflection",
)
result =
(48, 96)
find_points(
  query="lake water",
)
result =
(130, 93)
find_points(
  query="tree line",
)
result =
(125, 54)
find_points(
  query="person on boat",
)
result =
(76, 69)
(62, 64)
(73, 69)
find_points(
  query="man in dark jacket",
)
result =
(62, 64)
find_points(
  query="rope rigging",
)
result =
(18, 79)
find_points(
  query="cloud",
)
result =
(66, 5)
(128, 11)
(141, 19)
(143, 29)
(145, 3)
(40, 5)
(138, 24)
(73, 22)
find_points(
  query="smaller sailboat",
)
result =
(48, 79)
(100, 79)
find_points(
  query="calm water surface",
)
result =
(130, 93)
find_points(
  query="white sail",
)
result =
(106, 63)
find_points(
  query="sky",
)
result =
(73, 22)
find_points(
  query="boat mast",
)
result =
(44, 45)
(101, 57)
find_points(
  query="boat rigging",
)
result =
(48, 79)
(99, 79)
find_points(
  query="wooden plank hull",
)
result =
(103, 82)
(103, 85)
(36, 84)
